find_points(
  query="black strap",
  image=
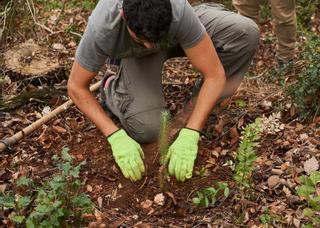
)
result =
(113, 133)
(7, 145)
(193, 129)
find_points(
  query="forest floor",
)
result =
(284, 153)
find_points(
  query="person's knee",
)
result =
(144, 127)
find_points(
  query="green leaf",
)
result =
(305, 190)
(58, 183)
(210, 191)
(205, 202)
(266, 219)
(315, 203)
(23, 202)
(309, 225)
(200, 194)
(82, 201)
(213, 200)
(65, 155)
(55, 157)
(241, 103)
(66, 168)
(226, 192)
(308, 212)
(17, 218)
(196, 200)
(30, 223)
(315, 177)
(24, 181)
(43, 209)
(7, 201)
(75, 185)
(76, 170)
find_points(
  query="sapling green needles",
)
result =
(163, 145)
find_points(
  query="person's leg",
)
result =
(135, 96)
(235, 38)
(285, 28)
(248, 8)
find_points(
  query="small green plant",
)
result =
(246, 154)
(207, 196)
(55, 203)
(308, 190)
(163, 146)
(266, 218)
(241, 103)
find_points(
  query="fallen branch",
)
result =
(6, 143)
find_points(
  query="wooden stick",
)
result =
(4, 144)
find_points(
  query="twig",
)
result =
(259, 75)
(4, 13)
(76, 34)
(144, 182)
(33, 12)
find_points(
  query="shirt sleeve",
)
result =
(88, 53)
(191, 30)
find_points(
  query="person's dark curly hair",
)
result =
(148, 19)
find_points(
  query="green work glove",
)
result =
(182, 154)
(127, 154)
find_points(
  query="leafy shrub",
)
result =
(55, 203)
(305, 92)
(246, 153)
(207, 196)
(305, 11)
(308, 190)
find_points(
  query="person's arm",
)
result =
(78, 90)
(183, 152)
(204, 58)
(126, 151)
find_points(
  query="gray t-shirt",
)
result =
(106, 34)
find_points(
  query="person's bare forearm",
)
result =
(78, 90)
(209, 94)
(88, 104)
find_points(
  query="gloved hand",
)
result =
(127, 154)
(182, 154)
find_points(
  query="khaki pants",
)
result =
(285, 22)
(136, 97)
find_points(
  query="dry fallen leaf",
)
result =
(3, 188)
(59, 129)
(220, 125)
(159, 199)
(146, 204)
(100, 201)
(89, 188)
(234, 135)
(286, 191)
(273, 181)
(311, 165)
(296, 222)
(58, 46)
